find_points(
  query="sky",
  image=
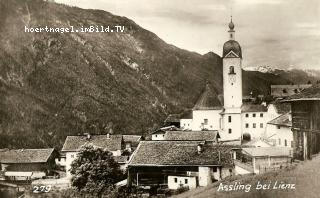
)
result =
(278, 33)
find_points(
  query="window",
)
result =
(284, 91)
(261, 125)
(278, 127)
(156, 136)
(229, 119)
(175, 180)
(205, 121)
(261, 115)
(295, 90)
(247, 115)
(279, 141)
(214, 169)
(186, 181)
(247, 125)
(72, 156)
(291, 144)
(231, 70)
(285, 142)
(254, 115)
(254, 125)
(230, 131)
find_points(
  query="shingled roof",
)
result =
(208, 100)
(312, 93)
(112, 143)
(253, 108)
(282, 120)
(18, 156)
(191, 135)
(180, 153)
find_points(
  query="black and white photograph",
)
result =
(159, 98)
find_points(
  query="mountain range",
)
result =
(58, 84)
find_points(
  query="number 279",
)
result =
(41, 189)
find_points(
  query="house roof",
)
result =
(191, 135)
(18, 156)
(282, 120)
(131, 138)
(186, 114)
(287, 90)
(268, 151)
(74, 143)
(253, 108)
(180, 153)
(173, 118)
(256, 141)
(208, 100)
(312, 93)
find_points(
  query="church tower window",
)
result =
(229, 119)
(230, 131)
(231, 70)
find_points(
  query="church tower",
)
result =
(232, 86)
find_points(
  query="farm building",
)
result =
(261, 159)
(305, 108)
(27, 164)
(172, 164)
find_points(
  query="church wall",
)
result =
(213, 117)
(234, 125)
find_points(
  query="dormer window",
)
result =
(231, 70)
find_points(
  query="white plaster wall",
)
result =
(70, 156)
(192, 182)
(234, 125)
(258, 131)
(284, 133)
(204, 176)
(157, 137)
(232, 91)
(213, 117)
(186, 124)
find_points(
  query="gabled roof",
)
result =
(192, 135)
(268, 151)
(74, 143)
(180, 153)
(282, 120)
(253, 108)
(208, 100)
(131, 138)
(172, 118)
(186, 115)
(312, 93)
(18, 156)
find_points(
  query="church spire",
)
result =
(231, 30)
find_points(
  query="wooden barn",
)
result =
(305, 108)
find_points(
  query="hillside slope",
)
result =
(53, 85)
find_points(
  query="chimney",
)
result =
(108, 135)
(200, 148)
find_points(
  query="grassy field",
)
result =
(305, 176)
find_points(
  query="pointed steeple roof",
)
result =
(208, 100)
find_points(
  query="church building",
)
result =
(227, 114)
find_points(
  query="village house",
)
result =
(305, 107)
(283, 91)
(261, 159)
(72, 145)
(159, 134)
(27, 164)
(172, 164)
(279, 131)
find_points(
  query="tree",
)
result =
(94, 171)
